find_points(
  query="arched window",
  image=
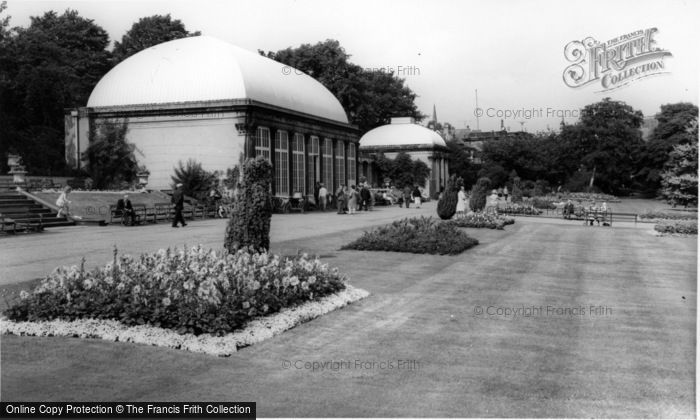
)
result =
(281, 163)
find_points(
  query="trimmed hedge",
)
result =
(423, 235)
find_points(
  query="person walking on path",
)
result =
(322, 197)
(417, 196)
(407, 195)
(353, 199)
(178, 201)
(63, 203)
(365, 197)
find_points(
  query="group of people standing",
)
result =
(350, 200)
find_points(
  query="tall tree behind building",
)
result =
(147, 32)
(51, 65)
(369, 97)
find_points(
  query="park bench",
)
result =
(139, 213)
(163, 212)
(8, 225)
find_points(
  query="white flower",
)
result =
(23, 294)
(312, 279)
(246, 305)
(294, 280)
(136, 289)
(166, 301)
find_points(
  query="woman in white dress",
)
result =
(461, 202)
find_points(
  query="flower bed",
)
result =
(682, 227)
(517, 208)
(422, 235)
(657, 216)
(481, 220)
(190, 291)
(255, 331)
(582, 196)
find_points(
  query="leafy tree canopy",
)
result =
(147, 32)
(51, 65)
(370, 98)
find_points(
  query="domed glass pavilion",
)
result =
(403, 135)
(205, 99)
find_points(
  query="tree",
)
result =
(249, 226)
(196, 181)
(605, 141)
(460, 163)
(680, 180)
(370, 98)
(111, 160)
(51, 65)
(147, 32)
(402, 170)
(673, 120)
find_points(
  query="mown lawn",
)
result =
(634, 359)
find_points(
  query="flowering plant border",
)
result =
(255, 331)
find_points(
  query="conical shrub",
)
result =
(480, 191)
(447, 205)
(249, 226)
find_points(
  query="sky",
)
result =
(510, 54)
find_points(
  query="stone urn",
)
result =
(19, 174)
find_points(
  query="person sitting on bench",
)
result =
(126, 210)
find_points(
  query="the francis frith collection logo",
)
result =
(616, 62)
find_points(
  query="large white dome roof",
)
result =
(401, 135)
(203, 68)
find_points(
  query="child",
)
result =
(63, 203)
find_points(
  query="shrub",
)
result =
(249, 226)
(542, 203)
(674, 215)
(196, 181)
(480, 220)
(447, 205)
(685, 227)
(416, 235)
(189, 290)
(480, 191)
(110, 158)
(517, 193)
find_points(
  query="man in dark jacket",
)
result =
(178, 201)
(407, 191)
(365, 197)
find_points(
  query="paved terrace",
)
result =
(27, 257)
